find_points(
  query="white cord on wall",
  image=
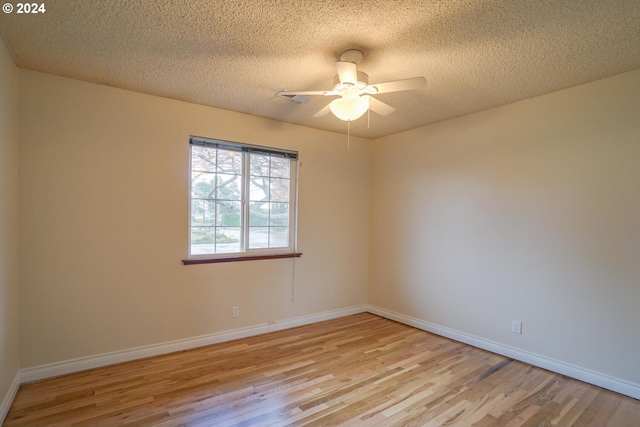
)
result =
(293, 281)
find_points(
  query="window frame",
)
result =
(247, 253)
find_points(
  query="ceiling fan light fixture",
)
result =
(349, 108)
(354, 91)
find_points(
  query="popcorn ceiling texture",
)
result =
(236, 54)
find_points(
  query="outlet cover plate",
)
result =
(516, 327)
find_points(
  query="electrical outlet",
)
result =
(235, 311)
(516, 327)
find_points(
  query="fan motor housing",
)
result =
(363, 80)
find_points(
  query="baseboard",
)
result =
(318, 317)
(8, 397)
(601, 380)
(50, 370)
(81, 364)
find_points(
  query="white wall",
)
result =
(9, 332)
(104, 222)
(529, 211)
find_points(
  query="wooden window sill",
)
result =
(239, 258)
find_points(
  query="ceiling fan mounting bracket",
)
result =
(352, 55)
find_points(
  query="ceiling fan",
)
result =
(354, 90)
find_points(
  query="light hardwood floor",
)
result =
(360, 370)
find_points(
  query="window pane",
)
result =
(259, 188)
(228, 239)
(202, 240)
(279, 215)
(258, 237)
(220, 179)
(259, 165)
(203, 212)
(228, 214)
(203, 185)
(203, 159)
(279, 190)
(259, 214)
(230, 162)
(279, 237)
(229, 187)
(280, 167)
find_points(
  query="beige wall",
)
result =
(104, 222)
(530, 211)
(9, 332)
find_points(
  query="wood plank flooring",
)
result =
(359, 370)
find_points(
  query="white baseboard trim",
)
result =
(601, 380)
(50, 370)
(8, 397)
(41, 372)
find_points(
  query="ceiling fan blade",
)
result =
(380, 107)
(347, 72)
(307, 93)
(326, 110)
(398, 85)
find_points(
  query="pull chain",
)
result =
(348, 135)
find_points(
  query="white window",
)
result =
(243, 199)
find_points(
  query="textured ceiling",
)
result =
(236, 54)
